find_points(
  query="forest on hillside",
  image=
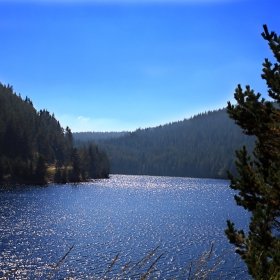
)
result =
(35, 148)
(80, 138)
(202, 146)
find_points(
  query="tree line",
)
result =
(35, 148)
(202, 146)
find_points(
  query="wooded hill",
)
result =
(202, 146)
(30, 141)
(80, 138)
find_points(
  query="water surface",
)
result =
(130, 215)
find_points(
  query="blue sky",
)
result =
(120, 65)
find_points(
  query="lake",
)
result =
(129, 215)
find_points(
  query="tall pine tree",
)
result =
(258, 183)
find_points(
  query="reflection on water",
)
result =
(127, 214)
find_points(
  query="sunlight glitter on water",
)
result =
(127, 214)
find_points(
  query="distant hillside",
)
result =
(81, 137)
(202, 146)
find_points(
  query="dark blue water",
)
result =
(130, 215)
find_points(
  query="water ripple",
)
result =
(127, 214)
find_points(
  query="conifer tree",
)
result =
(258, 183)
(1, 170)
(76, 166)
(41, 170)
(58, 171)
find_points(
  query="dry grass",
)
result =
(145, 268)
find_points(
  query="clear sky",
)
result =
(120, 65)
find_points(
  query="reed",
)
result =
(145, 268)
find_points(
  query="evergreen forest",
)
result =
(35, 148)
(94, 136)
(202, 146)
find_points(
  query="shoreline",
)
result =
(22, 182)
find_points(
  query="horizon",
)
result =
(112, 66)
